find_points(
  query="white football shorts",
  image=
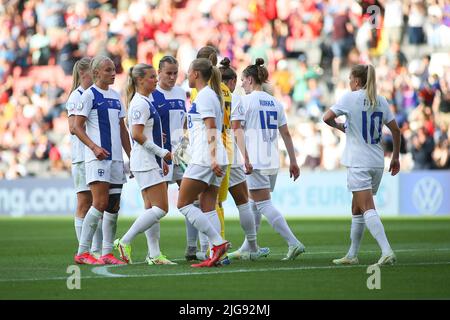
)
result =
(359, 179)
(146, 179)
(175, 174)
(79, 177)
(105, 171)
(257, 181)
(204, 174)
(237, 176)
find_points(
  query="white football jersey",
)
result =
(263, 116)
(142, 111)
(237, 114)
(171, 107)
(205, 105)
(103, 111)
(364, 129)
(71, 106)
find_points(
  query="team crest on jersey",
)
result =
(101, 172)
(180, 103)
(136, 114)
(172, 103)
(110, 103)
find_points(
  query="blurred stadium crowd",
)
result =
(308, 45)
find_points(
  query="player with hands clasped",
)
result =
(366, 112)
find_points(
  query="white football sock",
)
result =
(87, 231)
(97, 240)
(257, 217)
(356, 234)
(375, 226)
(191, 234)
(215, 222)
(78, 227)
(142, 223)
(201, 222)
(247, 221)
(153, 234)
(277, 221)
(109, 231)
(204, 242)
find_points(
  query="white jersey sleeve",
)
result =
(237, 110)
(77, 147)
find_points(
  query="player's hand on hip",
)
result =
(216, 169)
(100, 153)
(294, 171)
(394, 167)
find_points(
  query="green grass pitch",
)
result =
(36, 252)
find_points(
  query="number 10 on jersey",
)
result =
(376, 124)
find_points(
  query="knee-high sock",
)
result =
(257, 218)
(88, 229)
(97, 240)
(247, 221)
(109, 231)
(78, 222)
(153, 235)
(191, 234)
(215, 222)
(201, 222)
(145, 220)
(277, 221)
(356, 234)
(375, 226)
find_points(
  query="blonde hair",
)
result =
(366, 74)
(95, 64)
(137, 71)
(210, 73)
(81, 65)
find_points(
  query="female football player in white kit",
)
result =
(81, 80)
(208, 157)
(240, 167)
(264, 118)
(100, 125)
(147, 162)
(366, 112)
(169, 101)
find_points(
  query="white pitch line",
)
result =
(104, 273)
(229, 271)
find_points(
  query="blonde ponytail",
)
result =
(366, 74)
(210, 73)
(137, 71)
(81, 65)
(371, 86)
(215, 80)
(131, 89)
